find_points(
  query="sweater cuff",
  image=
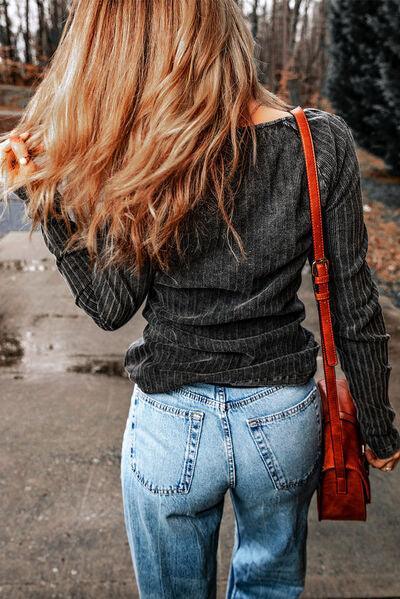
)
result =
(385, 446)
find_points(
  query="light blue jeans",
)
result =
(182, 450)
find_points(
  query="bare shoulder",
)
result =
(264, 114)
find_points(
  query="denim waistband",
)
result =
(229, 394)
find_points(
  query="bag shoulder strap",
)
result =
(320, 277)
(320, 264)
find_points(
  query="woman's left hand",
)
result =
(386, 464)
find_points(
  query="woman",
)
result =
(160, 169)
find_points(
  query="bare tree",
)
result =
(27, 34)
(291, 37)
(254, 19)
(42, 35)
(8, 43)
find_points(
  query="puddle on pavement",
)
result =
(33, 265)
(94, 366)
(28, 352)
(11, 350)
(51, 358)
(38, 317)
(24, 356)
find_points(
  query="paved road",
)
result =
(12, 216)
(63, 407)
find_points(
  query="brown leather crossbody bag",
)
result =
(344, 486)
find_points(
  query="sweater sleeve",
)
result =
(111, 296)
(360, 335)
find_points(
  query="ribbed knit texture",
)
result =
(228, 322)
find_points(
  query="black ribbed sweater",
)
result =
(228, 322)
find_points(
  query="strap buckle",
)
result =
(323, 260)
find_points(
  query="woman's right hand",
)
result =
(12, 151)
(386, 464)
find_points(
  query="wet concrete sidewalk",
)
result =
(64, 403)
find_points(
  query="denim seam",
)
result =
(267, 456)
(239, 403)
(251, 398)
(182, 413)
(188, 462)
(274, 468)
(302, 405)
(228, 448)
(271, 463)
(192, 447)
(198, 397)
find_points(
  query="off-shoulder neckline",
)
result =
(266, 124)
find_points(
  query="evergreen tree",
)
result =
(363, 74)
(386, 25)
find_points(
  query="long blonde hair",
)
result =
(134, 112)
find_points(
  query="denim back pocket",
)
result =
(164, 444)
(290, 441)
